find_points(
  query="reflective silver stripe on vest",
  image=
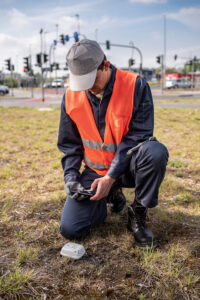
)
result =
(91, 144)
(93, 164)
(98, 146)
(110, 147)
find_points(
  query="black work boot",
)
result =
(117, 200)
(137, 224)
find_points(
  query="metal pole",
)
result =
(31, 71)
(78, 23)
(12, 76)
(45, 41)
(165, 47)
(162, 71)
(193, 70)
(131, 44)
(54, 57)
(41, 33)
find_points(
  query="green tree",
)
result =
(171, 70)
(192, 65)
(10, 82)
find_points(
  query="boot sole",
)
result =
(152, 246)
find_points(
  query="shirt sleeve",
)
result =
(140, 127)
(70, 143)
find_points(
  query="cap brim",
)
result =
(82, 82)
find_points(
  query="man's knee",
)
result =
(156, 153)
(70, 231)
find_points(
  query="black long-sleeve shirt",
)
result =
(140, 129)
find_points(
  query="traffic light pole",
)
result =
(131, 47)
(41, 33)
(54, 61)
(12, 77)
(32, 77)
(162, 72)
(160, 60)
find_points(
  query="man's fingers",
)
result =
(98, 192)
(103, 185)
(94, 184)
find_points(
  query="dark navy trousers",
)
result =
(145, 172)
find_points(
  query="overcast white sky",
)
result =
(120, 21)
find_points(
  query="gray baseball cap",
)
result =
(83, 58)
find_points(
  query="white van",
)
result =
(170, 83)
(57, 83)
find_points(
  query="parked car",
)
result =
(184, 83)
(47, 85)
(4, 90)
(171, 83)
(57, 83)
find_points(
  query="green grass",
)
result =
(32, 199)
(26, 255)
(183, 198)
(12, 282)
(177, 164)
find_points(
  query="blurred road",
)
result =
(23, 98)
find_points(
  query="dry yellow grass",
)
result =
(32, 197)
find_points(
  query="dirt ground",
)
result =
(31, 201)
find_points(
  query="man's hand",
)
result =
(76, 191)
(103, 186)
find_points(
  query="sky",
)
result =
(128, 22)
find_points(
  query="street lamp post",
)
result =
(132, 49)
(78, 23)
(165, 46)
(54, 50)
(41, 34)
(31, 71)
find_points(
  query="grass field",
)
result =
(31, 201)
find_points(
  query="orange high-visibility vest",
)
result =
(98, 153)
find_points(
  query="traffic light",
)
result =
(158, 59)
(108, 45)
(38, 59)
(175, 57)
(51, 67)
(45, 57)
(66, 67)
(57, 66)
(76, 37)
(67, 38)
(131, 62)
(26, 64)
(8, 64)
(62, 39)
